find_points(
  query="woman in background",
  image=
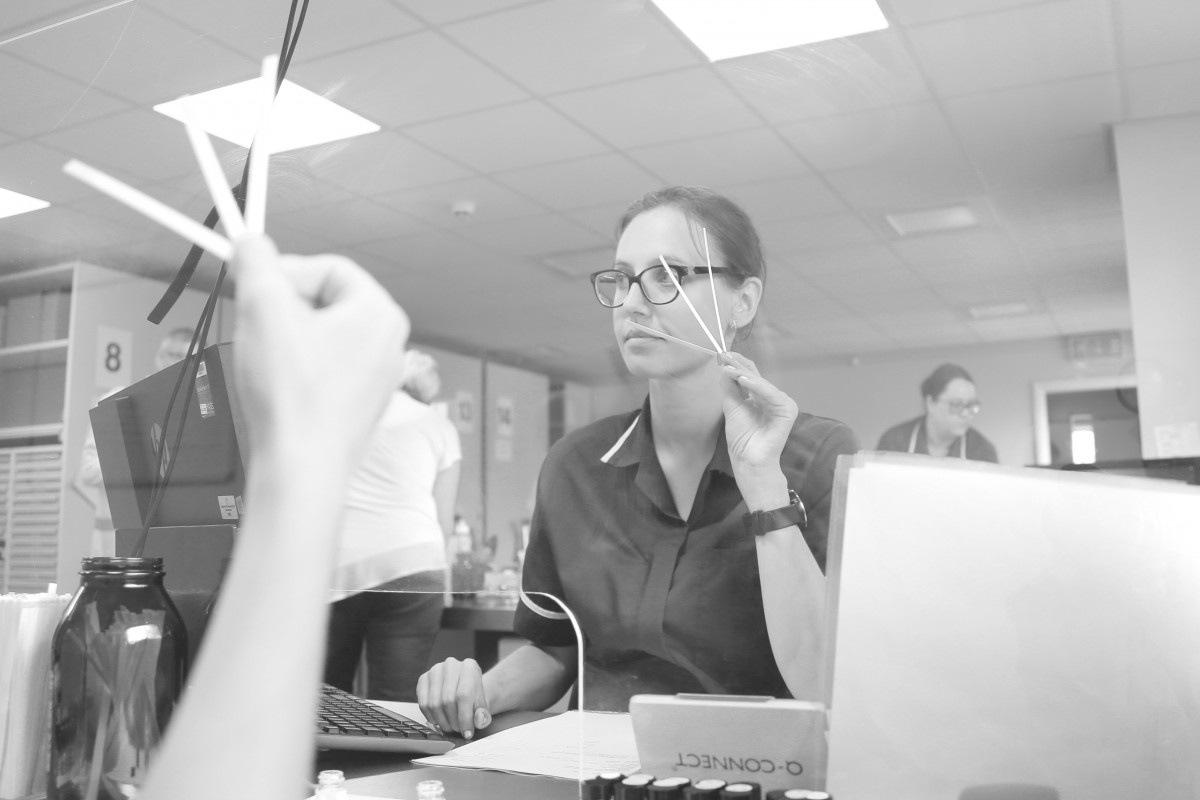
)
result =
(688, 537)
(951, 405)
(391, 568)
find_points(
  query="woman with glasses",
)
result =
(687, 537)
(945, 428)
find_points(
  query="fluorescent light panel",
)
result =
(300, 118)
(13, 203)
(996, 310)
(731, 28)
(932, 220)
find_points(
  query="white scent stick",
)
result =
(675, 339)
(214, 176)
(695, 313)
(164, 215)
(712, 283)
(260, 152)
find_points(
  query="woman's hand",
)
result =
(319, 346)
(452, 697)
(758, 420)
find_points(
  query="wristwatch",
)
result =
(760, 522)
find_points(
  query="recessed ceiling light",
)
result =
(932, 220)
(723, 29)
(995, 310)
(300, 118)
(13, 203)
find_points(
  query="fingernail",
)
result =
(482, 718)
(468, 734)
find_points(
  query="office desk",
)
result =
(490, 620)
(391, 776)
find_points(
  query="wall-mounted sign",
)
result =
(505, 417)
(464, 411)
(114, 352)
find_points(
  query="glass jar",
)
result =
(117, 668)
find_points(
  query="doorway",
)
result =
(1086, 420)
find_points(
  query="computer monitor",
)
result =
(1186, 470)
(194, 526)
(209, 472)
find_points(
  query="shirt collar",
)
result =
(635, 444)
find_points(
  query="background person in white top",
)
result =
(391, 569)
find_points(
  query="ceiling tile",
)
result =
(881, 291)
(437, 252)
(359, 220)
(988, 290)
(843, 260)
(23, 20)
(328, 27)
(139, 143)
(47, 102)
(73, 230)
(774, 200)
(393, 83)
(33, 169)
(1048, 164)
(1005, 329)
(724, 160)
(588, 43)
(977, 250)
(663, 108)
(1164, 90)
(1033, 204)
(139, 55)
(601, 219)
(583, 182)
(1062, 110)
(916, 184)
(379, 162)
(868, 137)
(519, 135)
(915, 12)
(873, 70)
(1157, 32)
(814, 233)
(534, 236)
(439, 11)
(435, 204)
(1032, 44)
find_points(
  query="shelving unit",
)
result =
(34, 347)
(55, 325)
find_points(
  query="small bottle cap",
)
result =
(330, 777)
(709, 787)
(430, 790)
(600, 787)
(742, 789)
(667, 788)
(632, 787)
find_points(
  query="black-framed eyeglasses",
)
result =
(612, 285)
(957, 407)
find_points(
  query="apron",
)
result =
(912, 441)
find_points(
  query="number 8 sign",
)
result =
(114, 349)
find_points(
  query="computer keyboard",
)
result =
(346, 722)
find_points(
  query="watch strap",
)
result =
(759, 522)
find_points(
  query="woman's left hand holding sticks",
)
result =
(758, 420)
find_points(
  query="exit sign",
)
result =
(1095, 346)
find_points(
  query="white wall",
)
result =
(1159, 165)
